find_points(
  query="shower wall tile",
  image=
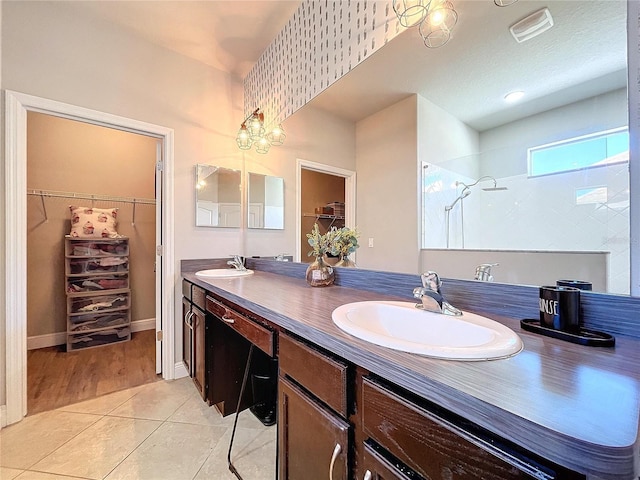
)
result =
(536, 214)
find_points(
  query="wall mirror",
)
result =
(265, 204)
(579, 62)
(218, 197)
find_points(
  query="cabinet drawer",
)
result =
(80, 266)
(186, 290)
(323, 376)
(97, 247)
(260, 336)
(198, 296)
(92, 321)
(99, 283)
(435, 447)
(86, 303)
(78, 341)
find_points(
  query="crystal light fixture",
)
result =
(252, 132)
(410, 12)
(435, 19)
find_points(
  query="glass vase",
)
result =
(345, 261)
(319, 274)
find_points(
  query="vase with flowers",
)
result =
(319, 274)
(344, 241)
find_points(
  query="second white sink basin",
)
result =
(223, 273)
(402, 326)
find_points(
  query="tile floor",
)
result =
(161, 430)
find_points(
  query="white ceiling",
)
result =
(583, 54)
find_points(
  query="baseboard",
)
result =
(60, 338)
(180, 370)
(3, 416)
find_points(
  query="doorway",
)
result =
(332, 179)
(17, 107)
(73, 163)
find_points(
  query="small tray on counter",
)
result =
(584, 336)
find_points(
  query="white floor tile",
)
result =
(99, 449)
(35, 437)
(175, 451)
(104, 404)
(44, 476)
(195, 411)
(156, 401)
(9, 473)
(253, 455)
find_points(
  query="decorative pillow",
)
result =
(93, 222)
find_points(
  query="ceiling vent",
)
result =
(532, 25)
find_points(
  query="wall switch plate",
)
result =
(371, 242)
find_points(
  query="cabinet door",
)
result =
(308, 438)
(199, 352)
(186, 335)
(375, 467)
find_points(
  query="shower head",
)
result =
(495, 189)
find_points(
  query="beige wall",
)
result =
(69, 156)
(387, 197)
(50, 52)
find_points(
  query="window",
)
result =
(604, 148)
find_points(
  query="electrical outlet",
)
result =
(370, 242)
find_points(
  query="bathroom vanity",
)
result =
(350, 409)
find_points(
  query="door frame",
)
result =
(15, 178)
(349, 195)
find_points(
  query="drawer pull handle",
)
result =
(367, 475)
(334, 456)
(228, 320)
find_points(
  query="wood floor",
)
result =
(56, 378)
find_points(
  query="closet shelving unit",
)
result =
(98, 293)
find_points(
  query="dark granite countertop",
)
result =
(574, 405)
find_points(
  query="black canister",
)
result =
(579, 284)
(560, 308)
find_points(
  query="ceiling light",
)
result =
(435, 18)
(532, 25)
(252, 132)
(504, 3)
(410, 12)
(437, 25)
(514, 96)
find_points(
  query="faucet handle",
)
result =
(483, 272)
(431, 281)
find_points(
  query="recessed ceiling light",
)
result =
(514, 96)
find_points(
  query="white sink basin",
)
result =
(402, 326)
(223, 273)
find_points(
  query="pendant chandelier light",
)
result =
(435, 19)
(252, 132)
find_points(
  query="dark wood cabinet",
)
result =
(194, 336)
(313, 442)
(187, 328)
(436, 444)
(199, 366)
(314, 434)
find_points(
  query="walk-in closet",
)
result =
(91, 281)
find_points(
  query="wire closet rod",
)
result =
(88, 196)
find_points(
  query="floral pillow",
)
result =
(93, 222)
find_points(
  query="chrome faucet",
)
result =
(483, 272)
(431, 297)
(237, 262)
